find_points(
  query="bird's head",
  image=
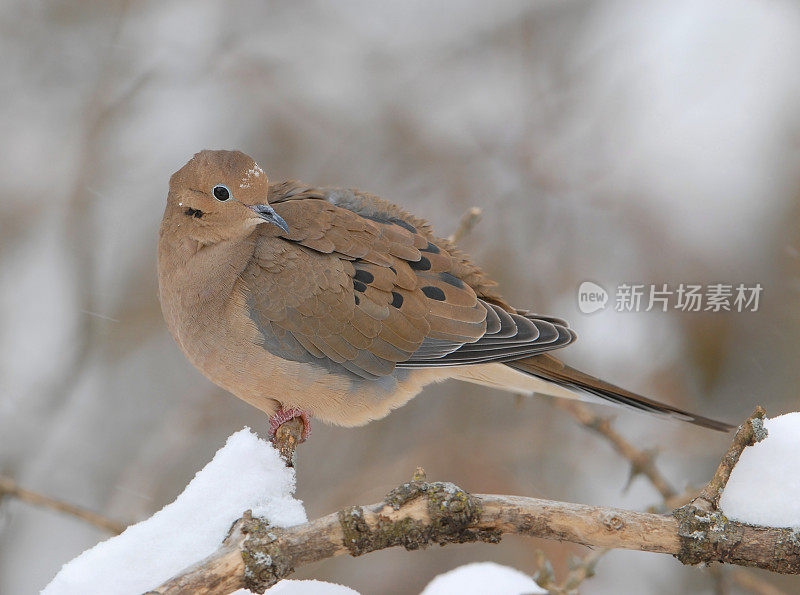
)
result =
(219, 195)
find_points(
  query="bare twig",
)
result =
(750, 432)
(580, 570)
(468, 221)
(544, 576)
(641, 461)
(701, 520)
(8, 487)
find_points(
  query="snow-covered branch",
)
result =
(415, 515)
(752, 523)
(418, 513)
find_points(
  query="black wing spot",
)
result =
(434, 293)
(432, 248)
(196, 213)
(423, 264)
(395, 220)
(403, 224)
(358, 301)
(359, 286)
(397, 300)
(451, 280)
(364, 276)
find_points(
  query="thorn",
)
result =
(638, 466)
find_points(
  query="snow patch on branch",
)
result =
(764, 486)
(247, 473)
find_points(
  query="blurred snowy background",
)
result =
(653, 142)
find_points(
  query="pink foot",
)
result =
(284, 415)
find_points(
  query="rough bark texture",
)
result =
(706, 533)
(750, 432)
(415, 515)
(418, 513)
(711, 537)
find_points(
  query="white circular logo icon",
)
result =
(591, 297)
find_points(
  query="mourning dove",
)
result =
(339, 305)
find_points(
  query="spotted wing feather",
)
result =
(359, 283)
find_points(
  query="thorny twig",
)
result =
(642, 462)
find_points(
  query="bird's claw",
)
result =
(284, 415)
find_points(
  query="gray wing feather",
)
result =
(509, 336)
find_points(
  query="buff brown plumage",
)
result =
(337, 304)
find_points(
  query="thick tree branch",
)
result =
(704, 528)
(417, 514)
(642, 462)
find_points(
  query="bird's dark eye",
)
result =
(221, 192)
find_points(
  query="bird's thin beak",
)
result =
(267, 213)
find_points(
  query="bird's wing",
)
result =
(373, 290)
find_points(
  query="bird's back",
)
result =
(339, 303)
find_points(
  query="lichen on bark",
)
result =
(263, 565)
(450, 513)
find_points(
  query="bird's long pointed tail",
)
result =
(545, 374)
(553, 370)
